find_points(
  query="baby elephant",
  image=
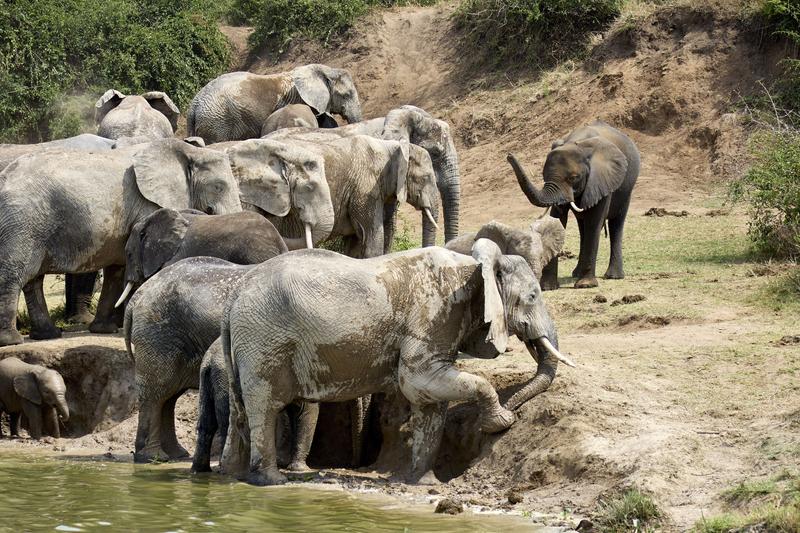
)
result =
(213, 413)
(167, 236)
(35, 391)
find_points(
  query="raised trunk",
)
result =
(428, 229)
(545, 373)
(548, 195)
(448, 180)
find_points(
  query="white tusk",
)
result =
(125, 294)
(575, 207)
(309, 242)
(552, 349)
(546, 209)
(430, 217)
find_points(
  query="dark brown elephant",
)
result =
(592, 171)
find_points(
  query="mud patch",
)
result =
(644, 320)
(628, 299)
(661, 212)
(787, 340)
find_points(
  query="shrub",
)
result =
(540, 31)
(784, 15)
(631, 510)
(772, 188)
(51, 48)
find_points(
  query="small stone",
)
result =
(514, 497)
(433, 491)
(600, 299)
(449, 506)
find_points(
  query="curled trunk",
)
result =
(547, 364)
(548, 195)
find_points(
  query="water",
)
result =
(43, 493)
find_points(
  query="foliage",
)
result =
(632, 510)
(784, 15)
(52, 48)
(772, 188)
(277, 22)
(538, 31)
(403, 240)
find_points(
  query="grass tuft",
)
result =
(632, 510)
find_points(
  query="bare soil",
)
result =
(684, 393)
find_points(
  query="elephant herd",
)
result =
(207, 247)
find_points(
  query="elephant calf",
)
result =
(35, 391)
(212, 416)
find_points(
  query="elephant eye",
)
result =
(310, 166)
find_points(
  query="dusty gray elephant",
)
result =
(84, 141)
(167, 236)
(420, 306)
(72, 212)
(296, 116)
(236, 105)
(592, 171)
(537, 245)
(152, 115)
(367, 177)
(37, 392)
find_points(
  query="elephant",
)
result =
(392, 321)
(213, 412)
(152, 115)
(295, 116)
(537, 246)
(367, 177)
(235, 106)
(35, 391)
(592, 171)
(73, 211)
(167, 236)
(170, 323)
(85, 141)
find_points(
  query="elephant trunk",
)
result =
(548, 195)
(429, 216)
(323, 227)
(448, 180)
(547, 363)
(61, 407)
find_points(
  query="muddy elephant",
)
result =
(236, 105)
(71, 212)
(151, 115)
(537, 245)
(84, 141)
(592, 171)
(167, 236)
(37, 392)
(367, 177)
(295, 116)
(280, 345)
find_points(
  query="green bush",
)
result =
(772, 188)
(784, 16)
(539, 31)
(52, 48)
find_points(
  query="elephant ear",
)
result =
(162, 172)
(552, 235)
(196, 141)
(26, 386)
(262, 175)
(164, 105)
(398, 168)
(488, 255)
(110, 99)
(607, 168)
(161, 237)
(313, 87)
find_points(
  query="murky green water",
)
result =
(42, 493)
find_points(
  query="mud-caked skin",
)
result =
(291, 116)
(235, 106)
(71, 212)
(366, 176)
(593, 169)
(151, 115)
(36, 392)
(339, 328)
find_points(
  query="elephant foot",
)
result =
(150, 455)
(576, 273)
(299, 467)
(615, 273)
(549, 284)
(270, 477)
(9, 337)
(200, 467)
(51, 332)
(84, 317)
(178, 453)
(497, 422)
(103, 327)
(586, 283)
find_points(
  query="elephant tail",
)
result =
(126, 328)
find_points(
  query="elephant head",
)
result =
(577, 173)
(416, 126)
(174, 174)
(537, 246)
(421, 190)
(328, 90)
(277, 177)
(513, 304)
(43, 386)
(153, 115)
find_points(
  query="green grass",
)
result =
(56, 314)
(632, 510)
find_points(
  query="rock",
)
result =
(514, 497)
(449, 506)
(599, 299)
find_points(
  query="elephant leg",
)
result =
(427, 422)
(169, 439)
(306, 424)
(576, 272)
(78, 292)
(359, 408)
(549, 281)
(42, 326)
(105, 321)
(262, 406)
(14, 424)
(33, 414)
(50, 417)
(235, 460)
(590, 239)
(207, 424)
(616, 227)
(148, 432)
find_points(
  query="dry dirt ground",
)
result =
(683, 393)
